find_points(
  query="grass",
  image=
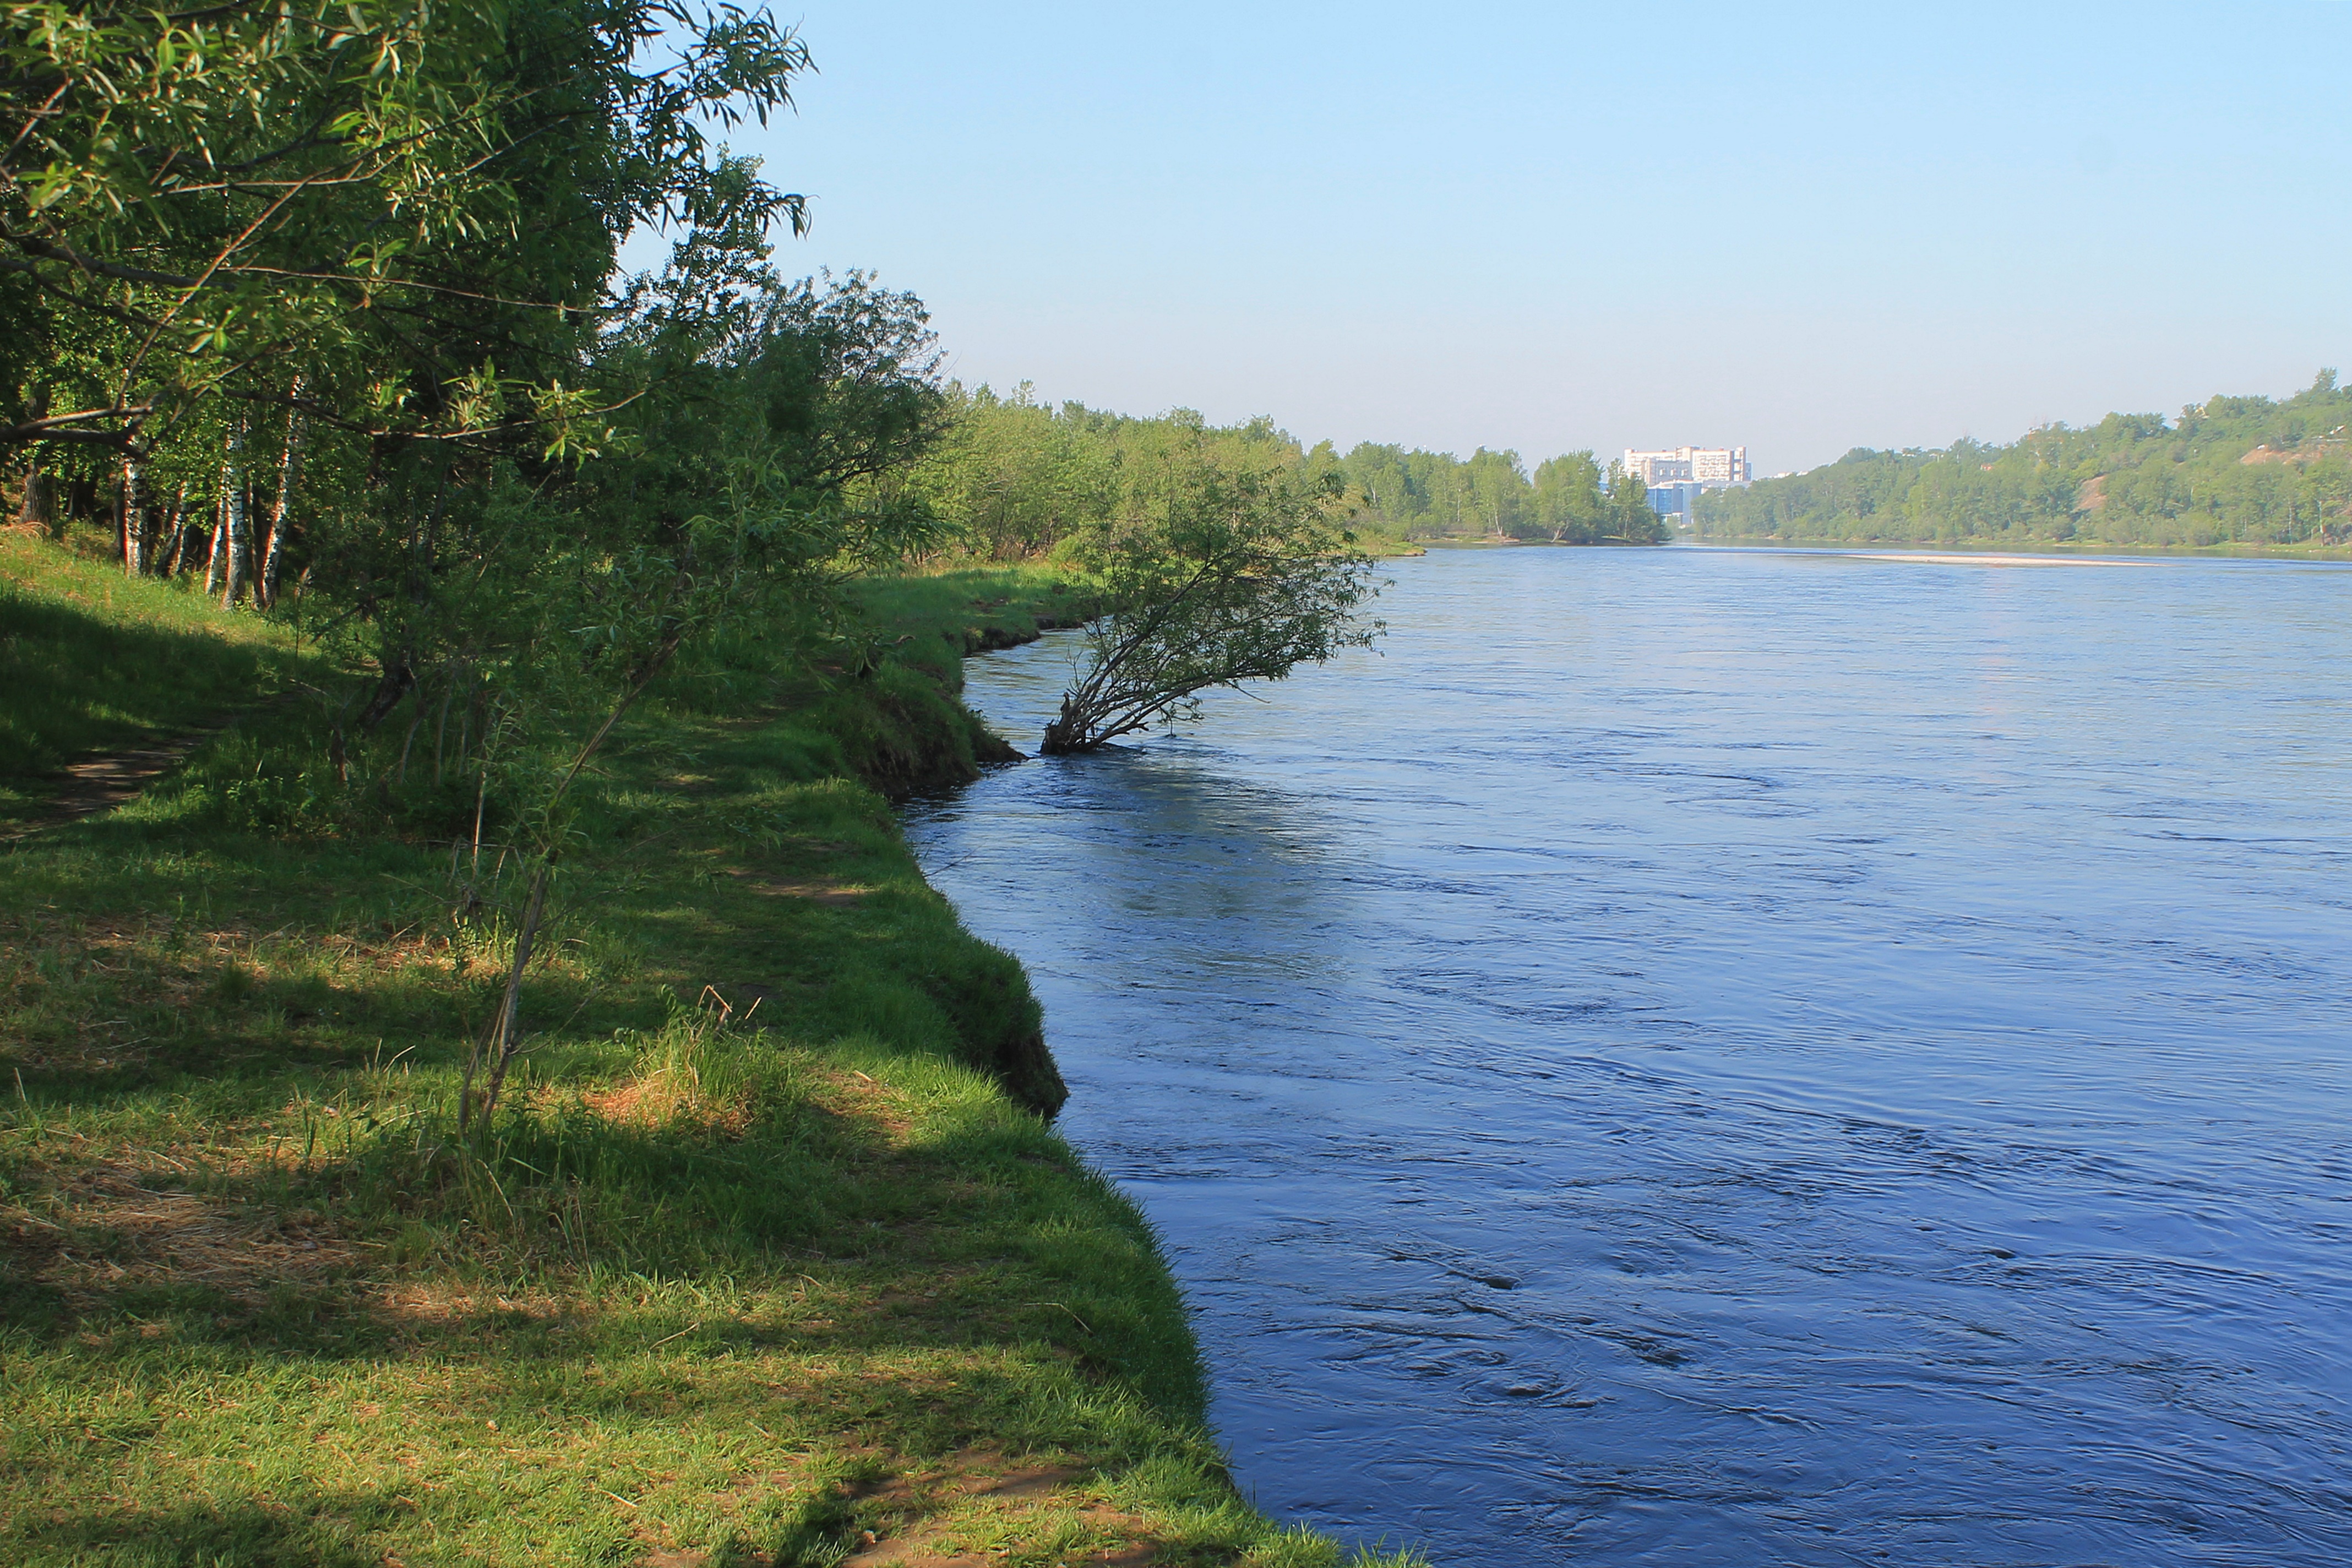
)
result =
(91, 661)
(767, 1259)
(944, 615)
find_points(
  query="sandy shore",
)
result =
(1998, 560)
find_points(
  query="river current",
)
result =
(1736, 1057)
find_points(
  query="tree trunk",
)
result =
(176, 530)
(236, 564)
(79, 501)
(130, 521)
(398, 678)
(37, 508)
(1073, 732)
(288, 465)
(213, 555)
(441, 728)
(503, 1040)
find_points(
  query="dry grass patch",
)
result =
(848, 1092)
(449, 1304)
(103, 1227)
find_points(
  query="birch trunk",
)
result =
(175, 531)
(134, 526)
(236, 564)
(289, 466)
(213, 557)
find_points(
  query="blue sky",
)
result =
(1547, 228)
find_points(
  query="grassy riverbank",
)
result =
(770, 1263)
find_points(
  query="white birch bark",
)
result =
(134, 525)
(213, 557)
(289, 466)
(236, 564)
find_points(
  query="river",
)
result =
(1729, 1057)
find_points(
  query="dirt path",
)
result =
(102, 783)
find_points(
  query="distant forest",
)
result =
(2234, 470)
(1019, 477)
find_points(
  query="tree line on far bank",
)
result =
(1014, 477)
(2231, 470)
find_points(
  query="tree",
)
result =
(1497, 491)
(1629, 518)
(375, 241)
(2232, 469)
(397, 219)
(731, 496)
(1016, 478)
(1215, 576)
(1570, 506)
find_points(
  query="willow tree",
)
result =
(734, 496)
(1213, 575)
(387, 224)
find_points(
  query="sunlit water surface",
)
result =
(1728, 1057)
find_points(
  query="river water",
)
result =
(1729, 1057)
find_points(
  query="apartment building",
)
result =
(1676, 478)
(1709, 468)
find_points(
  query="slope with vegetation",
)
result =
(767, 1258)
(2229, 471)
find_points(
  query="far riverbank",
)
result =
(2030, 547)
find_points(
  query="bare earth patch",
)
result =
(955, 1513)
(820, 892)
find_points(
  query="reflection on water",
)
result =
(1729, 1057)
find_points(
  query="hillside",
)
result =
(2246, 471)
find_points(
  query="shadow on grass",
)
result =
(716, 1287)
(83, 681)
(323, 1529)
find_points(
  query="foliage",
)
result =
(1571, 500)
(1212, 576)
(1017, 478)
(1013, 479)
(373, 247)
(395, 229)
(2232, 470)
(383, 196)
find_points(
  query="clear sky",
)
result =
(1801, 228)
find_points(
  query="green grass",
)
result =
(765, 1261)
(934, 619)
(93, 661)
